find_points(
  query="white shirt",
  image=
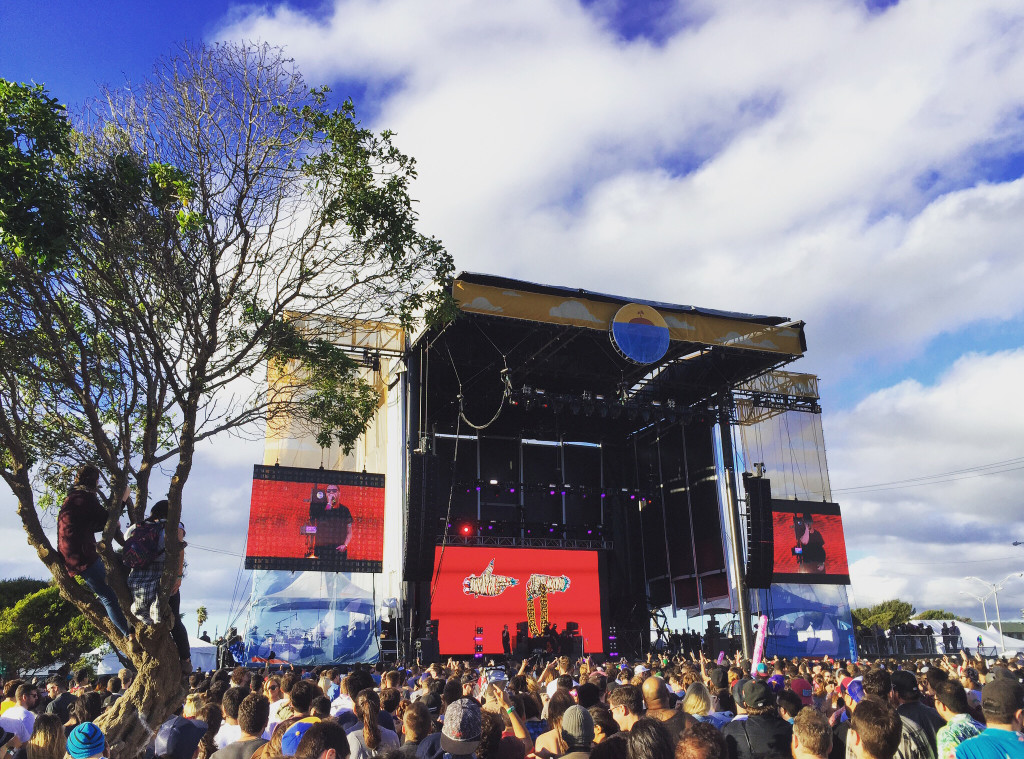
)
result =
(18, 720)
(227, 734)
(342, 703)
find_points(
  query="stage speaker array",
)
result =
(760, 538)
(427, 651)
(422, 519)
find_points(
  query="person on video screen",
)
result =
(810, 546)
(333, 524)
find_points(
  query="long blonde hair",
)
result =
(697, 700)
(47, 740)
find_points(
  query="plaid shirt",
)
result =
(144, 584)
(951, 735)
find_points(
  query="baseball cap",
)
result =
(461, 733)
(86, 740)
(639, 669)
(290, 741)
(577, 727)
(999, 671)
(761, 670)
(432, 702)
(1002, 696)
(855, 689)
(777, 683)
(720, 678)
(737, 690)
(757, 694)
(905, 684)
(179, 737)
(802, 688)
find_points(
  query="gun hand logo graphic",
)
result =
(487, 583)
(538, 586)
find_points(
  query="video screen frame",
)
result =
(820, 525)
(315, 512)
(472, 591)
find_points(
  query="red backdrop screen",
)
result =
(298, 519)
(472, 592)
(810, 546)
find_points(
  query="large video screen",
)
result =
(810, 546)
(315, 519)
(493, 587)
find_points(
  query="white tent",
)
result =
(204, 656)
(990, 638)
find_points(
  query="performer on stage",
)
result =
(810, 546)
(506, 641)
(333, 525)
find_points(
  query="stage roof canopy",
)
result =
(559, 341)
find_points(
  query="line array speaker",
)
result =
(760, 538)
(422, 517)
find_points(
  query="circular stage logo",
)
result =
(639, 333)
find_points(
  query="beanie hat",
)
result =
(86, 740)
(461, 733)
(577, 727)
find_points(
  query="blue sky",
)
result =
(853, 164)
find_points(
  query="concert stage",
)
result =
(574, 435)
(553, 457)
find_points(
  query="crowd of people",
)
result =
(659, 708)
(678, 707)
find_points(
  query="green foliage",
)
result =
(885, 614)
(15, 589)
(201, 617)
(36, 217)
(43, 630)
(215, 220)
(940, 614)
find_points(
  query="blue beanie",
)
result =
(86, 740)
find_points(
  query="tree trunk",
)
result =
(154, 695)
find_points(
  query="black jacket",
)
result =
(757, 736)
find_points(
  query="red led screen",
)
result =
(810, 546)
(472, 591)
(313, 519)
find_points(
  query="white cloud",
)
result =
(809, 159)
(919, 538)
(480, 303)
(802, 158)
(573, 309)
